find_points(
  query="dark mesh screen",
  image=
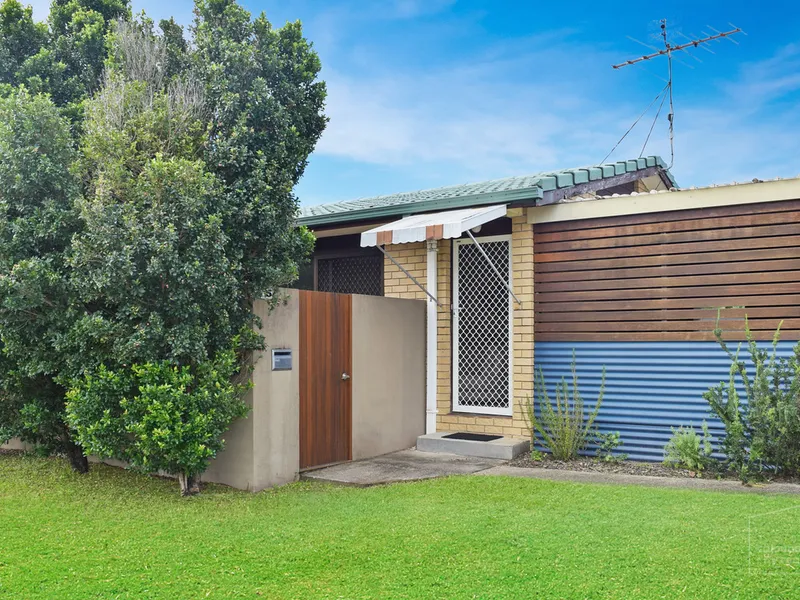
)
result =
(351, 275)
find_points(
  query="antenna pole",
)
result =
(691, 44)
(671, 114)
(668, 51)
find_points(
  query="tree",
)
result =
(261, 86)
(66, 58)
(20, 38)
(190, 161)
(37, 221)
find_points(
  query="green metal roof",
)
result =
(509, 190)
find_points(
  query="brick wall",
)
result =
(443, 361)
(396, 284)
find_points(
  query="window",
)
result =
(351, 274)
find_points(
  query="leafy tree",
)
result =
(37, 220)
(20, 38)
(261, 86)
(189, 217)
(176, 47)
(153, 261)
(66, 59)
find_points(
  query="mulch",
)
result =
(629, 467)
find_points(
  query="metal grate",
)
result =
(351, 275)
(482, 331)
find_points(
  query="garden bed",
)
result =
(628, 467)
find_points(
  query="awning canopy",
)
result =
(435, 226)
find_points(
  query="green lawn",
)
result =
(113, 534)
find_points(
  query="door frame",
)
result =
(486, 410)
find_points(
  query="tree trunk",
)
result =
(190, 485)
(77, 459)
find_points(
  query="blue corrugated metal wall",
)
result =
(650, 386)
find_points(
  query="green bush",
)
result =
(157, 416)
(762, 434)
(607, 444)
(686, 449)
(563, 428)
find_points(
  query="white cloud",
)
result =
(477, 120)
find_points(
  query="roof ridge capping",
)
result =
(506, 189)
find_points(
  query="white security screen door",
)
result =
(482, 327)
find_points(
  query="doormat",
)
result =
(472, 437)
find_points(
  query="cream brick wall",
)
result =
(396, 284)
(443, 361)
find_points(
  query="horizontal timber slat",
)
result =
(656, 226)
(690, 248)
(667, 237)
(669, 303)
(717, 291)
(706, 315)
(665, 282)
(674, 336)
(599, 262)
(703, 325)
(720, 268)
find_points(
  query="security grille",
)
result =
(351, 275)
(482, 321)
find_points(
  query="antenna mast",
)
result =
(668, 50)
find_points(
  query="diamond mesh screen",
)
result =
(483, 328)
(351, 275)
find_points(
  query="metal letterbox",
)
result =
(281, 359)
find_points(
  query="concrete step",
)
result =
(504, 448)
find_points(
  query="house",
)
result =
(610, 262)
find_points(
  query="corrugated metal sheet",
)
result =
(650, 386)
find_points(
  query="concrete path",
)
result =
(413, 465)
(646, 480)
(406, 465)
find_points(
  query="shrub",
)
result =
(763, 432)
(563, 428)
(157, 416)
(688, 450)
(607, 444)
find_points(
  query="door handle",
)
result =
(345, 376)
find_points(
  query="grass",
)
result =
(115, 534)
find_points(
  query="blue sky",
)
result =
(424, 93)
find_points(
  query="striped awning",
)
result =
(434, 226)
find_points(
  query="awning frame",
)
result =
(409, 275)
(430, 229)
(494, 269)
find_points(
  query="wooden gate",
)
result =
(325, 364)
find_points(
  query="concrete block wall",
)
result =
(396, 284)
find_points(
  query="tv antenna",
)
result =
(668, 51)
